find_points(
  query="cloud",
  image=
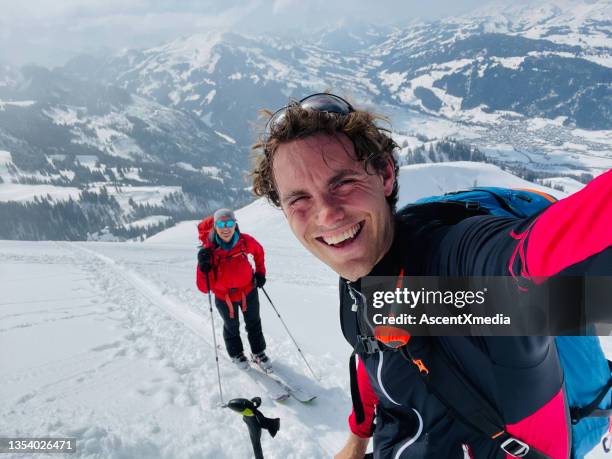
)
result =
(50, 32)
(48, 12)
(280, 6)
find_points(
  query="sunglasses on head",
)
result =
(322, 102)
(225, 224)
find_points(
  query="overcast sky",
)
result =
(49, 32)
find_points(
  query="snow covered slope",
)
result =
(114, 347)
(111, 342)
(422, 180)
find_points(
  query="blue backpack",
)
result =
(503, 202)
(587, 372)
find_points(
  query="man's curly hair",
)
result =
(373, 144)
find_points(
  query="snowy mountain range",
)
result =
(528, 85)
(61, 137)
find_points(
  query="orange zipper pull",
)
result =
(421, 366)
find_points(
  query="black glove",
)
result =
(205, 259)
(260, 279)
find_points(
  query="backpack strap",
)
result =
(546, 196)
(457, 393)
(355, 396)
(245, 255)
(592, 409)
(230, 306)
(473, 204)
(501, 201)
(599, 413)
(244, 303)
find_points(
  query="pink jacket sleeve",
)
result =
(369, 401)
(572, 230)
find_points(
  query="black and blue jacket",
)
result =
(519, 376)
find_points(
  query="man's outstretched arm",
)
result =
(573, 232)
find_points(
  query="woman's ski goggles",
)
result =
(322, 102)
(225, 224)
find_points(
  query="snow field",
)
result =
(128, 369)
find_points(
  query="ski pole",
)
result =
(289, 333)
(212, 322)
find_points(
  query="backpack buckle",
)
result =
(472, 205)
(368, 344)
(515, 448)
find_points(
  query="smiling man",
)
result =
(332, 171)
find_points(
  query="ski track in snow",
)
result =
(148, 386)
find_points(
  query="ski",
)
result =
(287, 382)
(272, 387)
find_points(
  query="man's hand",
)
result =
(205, 259)
(355, 448)
(260, 279)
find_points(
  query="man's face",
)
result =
(225, 233)
(334, 207)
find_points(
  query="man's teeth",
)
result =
(337, 239)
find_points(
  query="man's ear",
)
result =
(388, 176)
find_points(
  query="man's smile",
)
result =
(343, 237)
